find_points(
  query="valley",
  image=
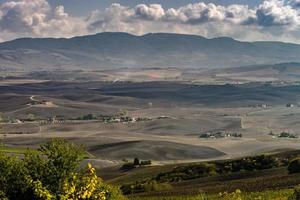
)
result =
(161, 121)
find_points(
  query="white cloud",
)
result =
(271, 20)
(36, 18)
(151, 12)
(276, 13)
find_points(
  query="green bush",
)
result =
(260, 162)
(49, 173)
(187, 172)
(12, 177)
(294, 166)
(199, 170)
(127, 166)
(296, 194)
(146, 162)
(136, 163)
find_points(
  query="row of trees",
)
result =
(199, 170)
(136, 163)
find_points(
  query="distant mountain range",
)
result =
(115, 50)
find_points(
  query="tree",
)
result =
(52, 173)
(136, 162)
(63, 158)
(294, 166)
(83, 185)
(123, 112)
(12, 181)
(30, 117)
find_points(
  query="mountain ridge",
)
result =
(119, 49)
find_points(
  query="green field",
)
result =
(14, 150)
(20, 150)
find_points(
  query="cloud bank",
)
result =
(271, 20)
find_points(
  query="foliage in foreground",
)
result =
(296, 194)
(52, 173)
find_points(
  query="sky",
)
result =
(81, 7)
(246, 20)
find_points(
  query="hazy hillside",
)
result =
(105, 50)
(289, 72)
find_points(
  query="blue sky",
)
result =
(247, 20)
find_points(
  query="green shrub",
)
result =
(30, 117)
(146, 162)
(52, 172)
(127, 166)
(294, 166)
(296, 194)
(12, 177)
(136, 163)
(260, 162)
(187, 172)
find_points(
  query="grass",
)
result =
(22, 150)
(133, 175)
(13, 150)
(249, 182)
(265, 195)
